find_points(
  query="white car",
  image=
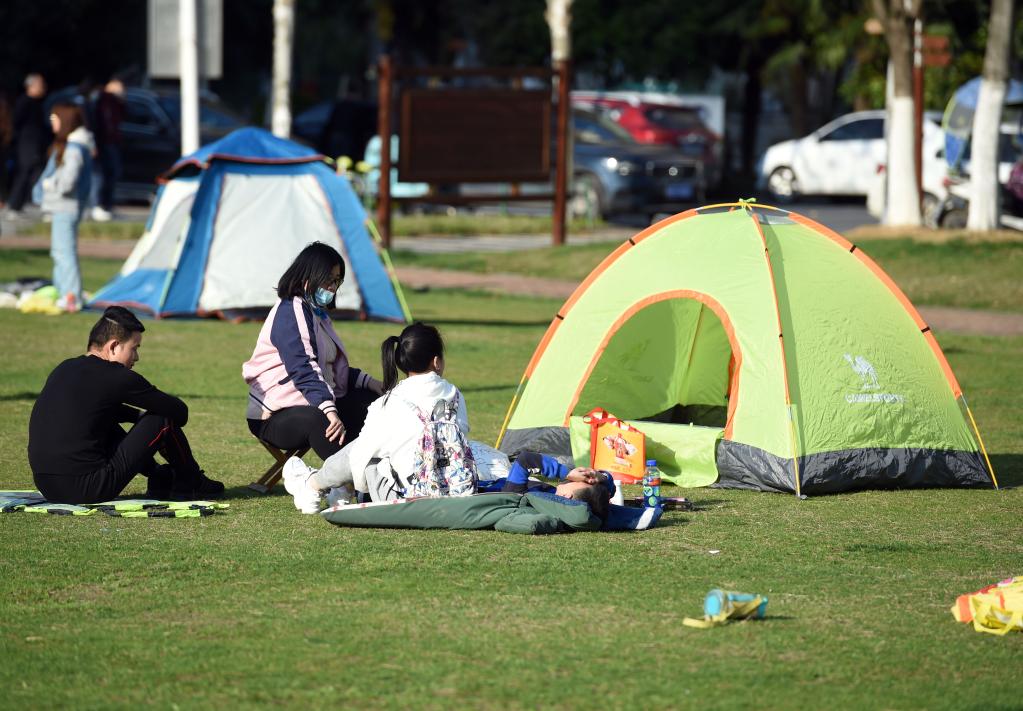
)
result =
(935, 187)
(840, 158)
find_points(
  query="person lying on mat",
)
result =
(382, 461)
(582, 483)
(302, 391)
(77, 449)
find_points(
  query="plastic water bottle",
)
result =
(718, 601)
(618, 498)
(652, 484)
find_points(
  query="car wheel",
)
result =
(954, 219)
(783, 185)
(587, 198)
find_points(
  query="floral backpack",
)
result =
(443, 463)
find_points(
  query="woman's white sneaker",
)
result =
(296, 474)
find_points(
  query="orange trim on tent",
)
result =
(896, 292)
(706, 300)
(592, 277)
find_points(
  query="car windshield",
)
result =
(208, 115)
(591, 128)
(677, 118)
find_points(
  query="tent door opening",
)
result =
(670, 361)
(668, 369)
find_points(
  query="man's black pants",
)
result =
(130, 453)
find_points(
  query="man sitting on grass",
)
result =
(78, 451)
(591, 486)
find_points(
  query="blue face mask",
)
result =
(323, 297)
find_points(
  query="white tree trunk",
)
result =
(903, 197)
(284, 26)
(559, 19)
(984, 186)
(188, 65)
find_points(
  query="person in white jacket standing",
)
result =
(65, 185)
(381, 459)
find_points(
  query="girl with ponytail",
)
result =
(380, 461)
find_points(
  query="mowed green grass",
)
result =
(262, 606)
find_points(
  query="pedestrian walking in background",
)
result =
(31, 137)
(65, 188)
(6, 141)
(108, 115)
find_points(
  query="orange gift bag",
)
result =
(616, 446)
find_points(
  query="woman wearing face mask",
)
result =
(302, 391)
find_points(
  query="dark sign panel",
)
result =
(475, 135)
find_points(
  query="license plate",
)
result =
(679, 191)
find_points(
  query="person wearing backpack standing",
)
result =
(421, 416)
(66, 183)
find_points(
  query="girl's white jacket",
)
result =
(392, 429)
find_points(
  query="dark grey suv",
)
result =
(616, 174)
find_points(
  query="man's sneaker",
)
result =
(101, 215)
(296, 481)
(338, 496)
(159, 482)
(196, 488)
(207, 488)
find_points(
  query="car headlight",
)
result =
(623, 167)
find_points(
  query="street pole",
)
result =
(188, 62)
(384, 89)
(284, 27)
(559, 20)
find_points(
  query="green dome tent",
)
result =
(759, 346)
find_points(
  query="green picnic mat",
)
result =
(34, 502)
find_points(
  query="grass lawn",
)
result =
(410, 225)
(264, 607)
(953, 272)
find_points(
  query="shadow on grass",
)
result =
(489, 322)
(895, 547)
(244, 492)
(16, 397)
(487, 388)
(1008, 469)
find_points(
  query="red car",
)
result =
(681, 127)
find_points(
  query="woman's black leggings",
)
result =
(305, 426)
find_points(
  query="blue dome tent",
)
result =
(958, 118)
(231, 216)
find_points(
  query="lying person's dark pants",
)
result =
(130, 453)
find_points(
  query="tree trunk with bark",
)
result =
(903, 195)
(985, 189)
(284, 27)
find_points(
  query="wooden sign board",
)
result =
(475, 135)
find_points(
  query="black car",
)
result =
(615, 174)
(338, 128)
(151, 132)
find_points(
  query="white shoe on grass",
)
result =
(296, 482)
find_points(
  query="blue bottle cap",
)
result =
(651, 462)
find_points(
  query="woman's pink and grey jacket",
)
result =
(285, 370)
